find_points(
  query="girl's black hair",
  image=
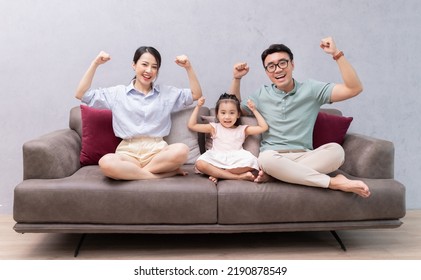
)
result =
(225, 97)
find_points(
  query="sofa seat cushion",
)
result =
(89, 197)
(241, 202)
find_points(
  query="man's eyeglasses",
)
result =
(282, 64)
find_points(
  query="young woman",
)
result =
(141, 117)
(227, 159)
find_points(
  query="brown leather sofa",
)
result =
(58, 195)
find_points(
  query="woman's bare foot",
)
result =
(340, 182)
(262, 177)
(213, 179)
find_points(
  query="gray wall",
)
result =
(47, 45)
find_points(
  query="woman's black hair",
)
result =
(145, 49)
(225, 97)
(274, 49)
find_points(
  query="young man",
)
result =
(290, 108)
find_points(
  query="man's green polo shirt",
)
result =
(290, 116)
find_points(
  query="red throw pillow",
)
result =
(98, 136)
(330, 128)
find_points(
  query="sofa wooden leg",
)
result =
(82, 238)
(338, 239)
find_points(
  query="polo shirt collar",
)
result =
(292, 92)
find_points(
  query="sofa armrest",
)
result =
(368, 157)
(54, 155)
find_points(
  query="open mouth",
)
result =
(146, 76)
(279, 77)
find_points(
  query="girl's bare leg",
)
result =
(216, 173)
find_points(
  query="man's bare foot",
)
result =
(213, 179)
(262, 177)
(340, 182)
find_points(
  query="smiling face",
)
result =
(282, 78)
(228, 113)
(146, 69)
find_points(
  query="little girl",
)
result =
(227, 159)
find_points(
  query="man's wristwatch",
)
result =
(338, 55)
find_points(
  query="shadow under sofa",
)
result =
(59, 195)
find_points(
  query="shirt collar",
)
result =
(292, 92)
(130, 88)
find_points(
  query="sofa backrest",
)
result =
(197, 142)
(252, 142)
(179, 131)
(332, 111)
(75, 120)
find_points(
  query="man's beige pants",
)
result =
(305, 168)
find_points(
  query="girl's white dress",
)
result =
(227, 149)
